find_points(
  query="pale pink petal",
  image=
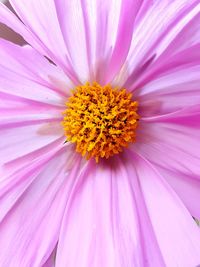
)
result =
(24, 68)
(160, 25)
(171, 142)
(187, 188)
(177, 49)
(172, 91)
(128, 13)
(114, 218)
(74, 24)
(172, 146)
(8, 18)
(36, 31)
(94, 25)
(33, 224)
(22, 144)
(102, 223)
(31, 103)
(176, 232)
(15, 183)
(101, 27)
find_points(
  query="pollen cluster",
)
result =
(100, 120)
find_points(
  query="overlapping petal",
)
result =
(102, 210)
(176, 232)
(157, 37)
(32, 99)
(36, 205)
(121, 212)
(175, 90)
(171, 143)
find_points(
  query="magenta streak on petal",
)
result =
(128, 13)
(87, 38)
(145, 5)
(102, 36)
(73, 31)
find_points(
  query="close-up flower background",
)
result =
(65, 199)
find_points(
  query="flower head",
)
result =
(100, 126)
(100, 120)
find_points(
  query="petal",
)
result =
(74, 27)
(171, 142)
(8, 18)
(28, 140)
(160, 26)
(159, 97)
(123, 227)
(33, 221)
(27, 131)
(25, 66)
(31, 104)
(102, 210)
(128, 13)
(99, 27)
(186, 187)
(171, 222)
(177, 50)
(35, 30)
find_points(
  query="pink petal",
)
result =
(128, 13)
(176, 232)
(25, 66)
(183, 50)
(175, 90)
(8, 18)
(160, 25)
(36, 31)
(15, 183)
(99, 26)
(30, 105)
(186, 187)
(102, 210)
(116, 209)
(171, 142)
(21, 143)
(33, 223)
(74, 27)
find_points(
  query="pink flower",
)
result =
(135, 208)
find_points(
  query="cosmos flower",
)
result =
(99, 128)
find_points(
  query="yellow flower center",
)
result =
(101, 120)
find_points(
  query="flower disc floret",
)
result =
(101, 120)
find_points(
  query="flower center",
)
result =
(101, 120)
